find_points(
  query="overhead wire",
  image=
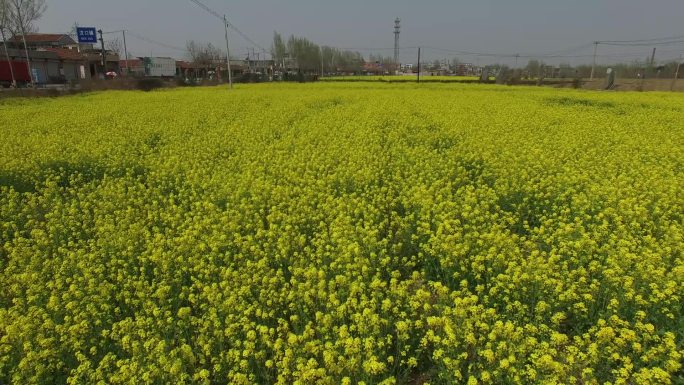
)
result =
(228, 23)
(643, 44)
(643, 40)
(152, 41)
(565, 53)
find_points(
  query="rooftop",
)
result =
(65, 53)
(41, 38)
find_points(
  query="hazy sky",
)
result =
(526, 27)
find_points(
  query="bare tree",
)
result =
(115, 46)
(23, 15)
(533, 67)
(4, 20)
(456, 64)
(203, 54)
(278, 49)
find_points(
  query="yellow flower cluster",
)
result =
(330, 233)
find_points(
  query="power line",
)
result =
(554, 54)
(643, 40)
(151, 41)
(228, 23)
(363, 48)
(573, 49)
(643, 44)
(502, 55)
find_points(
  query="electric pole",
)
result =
(265, 64)
(397, 31)
(674, 81)
(418, 64)
(593, 66)
(125, 52)
(230, 75)
(104, 55)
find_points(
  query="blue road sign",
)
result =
(86, 35)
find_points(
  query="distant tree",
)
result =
(23, 14)
(328, 57)
(385, 63)
(455, 63)
(203, 54)
(308, 56)
(4, 16)
(22, 17)
(533, 67)
(278, 49)
(115, 46)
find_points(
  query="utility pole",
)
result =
(230, 75)
(418, 64)
(128, 71)
(397, 31)
(104, 55)
(321, 51)
(674, 81)
(593, 66)
(517, 55)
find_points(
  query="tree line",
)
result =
(634, 69)
(298, 54)
(301, 54)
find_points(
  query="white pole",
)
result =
(674, 81)
(230, 76)
(128, 71)
(593, 66)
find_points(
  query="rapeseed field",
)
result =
(360, 233)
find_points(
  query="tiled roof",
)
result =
(39, 37)
(67, 54)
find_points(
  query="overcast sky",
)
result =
(525, 27)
